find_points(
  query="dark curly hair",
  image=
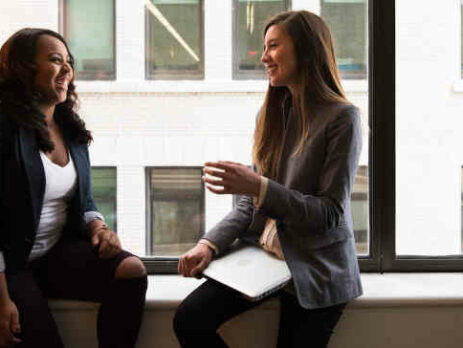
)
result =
(20, 101)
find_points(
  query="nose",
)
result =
(67, 67)
(264, 56)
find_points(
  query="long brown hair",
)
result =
(20, 101)
(319, 83)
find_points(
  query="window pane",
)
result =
(348, 22)
(104, 186)
(250, 18)
(428, 131)
(360, 210)
(174, 39)
(94, 54)
(177, 210)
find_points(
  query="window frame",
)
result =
(91, 76)
(238, 74)
(93, 191)
(175, 74)
(382, 108)
(381, 167)
(165, 264)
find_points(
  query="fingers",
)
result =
(7, 338)
(193, 263)
(180, 266)
(218, 191)
(214, 182)
(224, 166)
(225, 175)
(14, 323)
(187, 263)
(95, 239)
(110, 244)
(198, 270)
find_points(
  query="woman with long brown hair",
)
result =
(53, 241)
(307, 144)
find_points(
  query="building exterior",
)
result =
(166, 85)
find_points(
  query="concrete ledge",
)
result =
(399, 310)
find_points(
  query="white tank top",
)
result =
(60, 184)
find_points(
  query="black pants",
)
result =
(72, 270)
(209, 306)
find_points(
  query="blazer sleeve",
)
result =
(2, 166)
(321, 212)
(5, 148)
(232, 225)
(91, 211)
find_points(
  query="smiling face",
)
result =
(54, 71)
(279, 58)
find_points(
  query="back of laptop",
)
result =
(249, 270)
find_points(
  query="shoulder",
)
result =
(8, 128)
(341, 111)
(336, 114)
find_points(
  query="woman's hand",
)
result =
(107, 241)
(9, 323)
(231, 177)
(195, 261)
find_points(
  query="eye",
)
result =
(56, 59)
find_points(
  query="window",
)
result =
(360, 210)
(94, 54)
(174, 39)
(428, 158)
(104, 186)
(348, 22)
(250, 17)
(176, 210)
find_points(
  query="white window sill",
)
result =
(165, 292)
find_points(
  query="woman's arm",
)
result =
(102, 237)
(232, 225)
(9, 317)
(323, 211)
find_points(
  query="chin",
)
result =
(62, 99)
(275, 83)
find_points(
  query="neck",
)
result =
(48, 111)
(293, 90)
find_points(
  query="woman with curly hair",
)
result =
(53, 241)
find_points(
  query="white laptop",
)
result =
(249, 270)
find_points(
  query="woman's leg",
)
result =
(309, 328)
(74, 271)
(200, 315)
(122, 310)
(38, 328)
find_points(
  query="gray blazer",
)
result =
(310, 200)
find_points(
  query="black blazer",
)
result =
(22, 187)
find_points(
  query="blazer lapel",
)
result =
(30, 156)
(78, 156)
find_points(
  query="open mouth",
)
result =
(62, 83)
(271, 69)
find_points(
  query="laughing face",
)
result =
(54, 70)
(279, 58)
